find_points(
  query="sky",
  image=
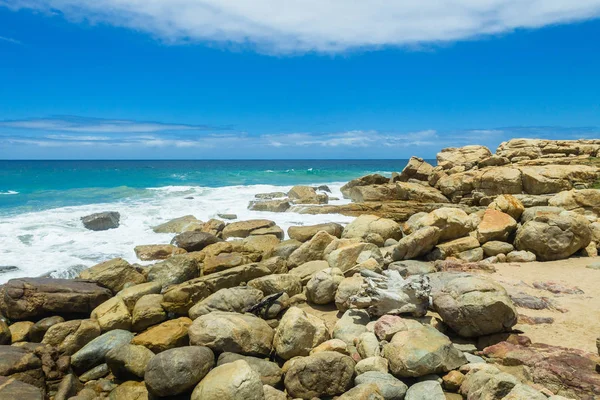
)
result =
(272, 79)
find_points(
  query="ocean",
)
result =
(41, 203)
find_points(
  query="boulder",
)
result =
(508, 204)
(148, 311)
(426, 390)
(321, 288)
(416, 244)
(421, 351)
(270, 373)
(412, 267)
(174, 270)
(367, 346)
(520, 256)
(275, 283)
(367, 391)
(232, 332)
(177, 371)
(473, 305)
(306, 232)
(332, 345)
(298, 333)
(26, 298)
(453, 247)
(168, 335)
(93, 353)
(132, 294)
(372, 229)
(68, 387)
(388, 325)
(493, 248)
(270, 195)
(285, 248)
(223, 261)
(11, 388)
(390, 387)
(194, 241)
(151, 252)
(311, 250)
(467, 156)
(495, 225)
(305, 194)
(95, 373)
(416, 168)
(554, 237)
(5, 336)
(274, 231)
(128, 361)
(269, 205)
(352, 324)
(39, 329)
(585, 202)
(555, 178)
(112, 314)
(373, 179)
(374, 363)
(178, 225)
(348, 288)
(19, 331)
(306, 270)
(322, 374)
(70, 336)
(113, 274)
(236, 299)
(130, 390)
(347, 257)
(231, 381)
(21, 364)
(422, 193)
(453, 223)
(101, 221)
(261, 244)
(242, 229)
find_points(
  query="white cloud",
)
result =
(285, 26)
(7, 39)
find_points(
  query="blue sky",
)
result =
(311, 79)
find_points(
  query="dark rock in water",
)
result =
(323, 188)
(227, 216)
(194, 241)
(101, 221)
(93, 353)
(26, 298)
(8, 268)
(11, 388)
(189, 198)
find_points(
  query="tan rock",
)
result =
(168, 335)
(372, 229)
(178, 225)
(495, 225)
(311, 250)
(585, 202)
(347, 257)
(416, 168)
(132, 294)
(373, 179)
(151, 252)
(508, 204)
(306, 232)
(70, 336)
(453, 247)
(306, 271)
(147, 312)
(242, 229)
(467, 156)
(322, 286)
(112, 314)
(19, 331)
(235, 299)
(275, 283)
(113, 274)
(416, 244)
(298, 333)
(231, 381)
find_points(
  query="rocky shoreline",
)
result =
(401, 303)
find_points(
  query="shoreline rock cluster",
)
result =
(382, 308)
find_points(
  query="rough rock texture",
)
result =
(70, 336)
(170, 334)
(128, 361)
(372, 229)
(351, 325)
(26, 298)
(554, 237)
(566, 372)
(231, 381)
(508, 204)
(275, 283)
(179, 225)
(306, 232)
(421, 351)
(270, 373)
(232, 332)
(390, 387)
(321, 288)
(93, 353)
(323, 374)
(495, 225)
(236, 299)
(132, 294)
(174, 270)
(586, 202)
(194, 241)
(373, 179)
(467, 156)
(416, 244)
(101, 221)
(242, 229)
(298, 333)
(416, 168)
(347, 257)
(152, 252)
(366, 391)
(311, 250)
(427, 390)
(39, 329)
(177, 371)
(453, 223)
(11, 388)
(473, 305)
(112, 314)
(113, 274)
(147, 312)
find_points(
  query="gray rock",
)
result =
(352, 324)
(177, 371)
(93, 353)
(11, 388)
(520, 256)
(427, 390)
(270, 373)
(194, 241)
(101, 221)
(95, 373)
(495, 247)
(174, 270)
(231, 381)
(412, 267)
(128, 361)
(236, 299)
(390, 387)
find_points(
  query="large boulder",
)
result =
(70, 336)
(232, 332)
(275, 283)
(174, 270)
(453, 223)
(112, 314)
(416, 244)
(93, 353)
(306, 271)
(426, 390)
(21, 364)
(270, 373)
(194, 241)
(298, 333)
(151, 252)
(347, 289)
(453, 247)
(132, 294)
(5, 335)
(306, 195)
(467, 156)
(416, 168)
(167, 335)
(389, 386)
(508, 204)
(128, 361)
(237, 299)
(148, 311)
(178, 225)
(421, 351)
(323, 374)
(280, 205)
(321, 288)
(473, 305)
(495, 225)
(26, 298)
(373, 179)
(554, 236)
(177, 371)
(372, 229)
(347, 257)
(231, 381)
(11, 388)
(586, 202)
(351, 326)
(304, 233)
(113, 274)
(556, 178)
(311, 250)
(101, 221)
(130, 390)
(421, 193)
(242, 229)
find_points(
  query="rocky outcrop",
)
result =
(25, 298)
(405, 191)
(467, 157)
(372, 229)
(416, 168)
(113, 274)
(519, 149)
(101, 221)
(373, 179)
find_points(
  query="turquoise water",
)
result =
(27, 186)
(42, 202)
